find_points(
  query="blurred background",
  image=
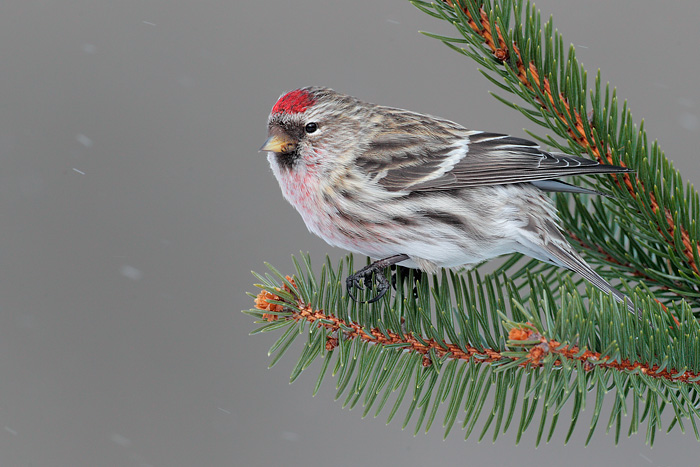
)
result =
(134, 204)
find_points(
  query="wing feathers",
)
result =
(467, 159)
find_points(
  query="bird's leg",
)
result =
(365, 277)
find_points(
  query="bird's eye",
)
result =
(311, 127)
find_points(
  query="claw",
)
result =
(353, 282)
(382, 287)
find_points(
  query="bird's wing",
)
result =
(456, 159)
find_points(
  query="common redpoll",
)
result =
(417, 190)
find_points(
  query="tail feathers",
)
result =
(551, 247)
(558, 185)
(564, 254)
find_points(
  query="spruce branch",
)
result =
(453, 343)
(521, 335)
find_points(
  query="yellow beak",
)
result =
(278, 143)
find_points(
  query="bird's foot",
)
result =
(364, 278)
(372, 275)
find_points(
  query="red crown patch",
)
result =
(294, 102)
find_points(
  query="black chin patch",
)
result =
(287, 160)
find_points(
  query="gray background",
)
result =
(134, 203)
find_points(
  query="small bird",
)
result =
(417, 190)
